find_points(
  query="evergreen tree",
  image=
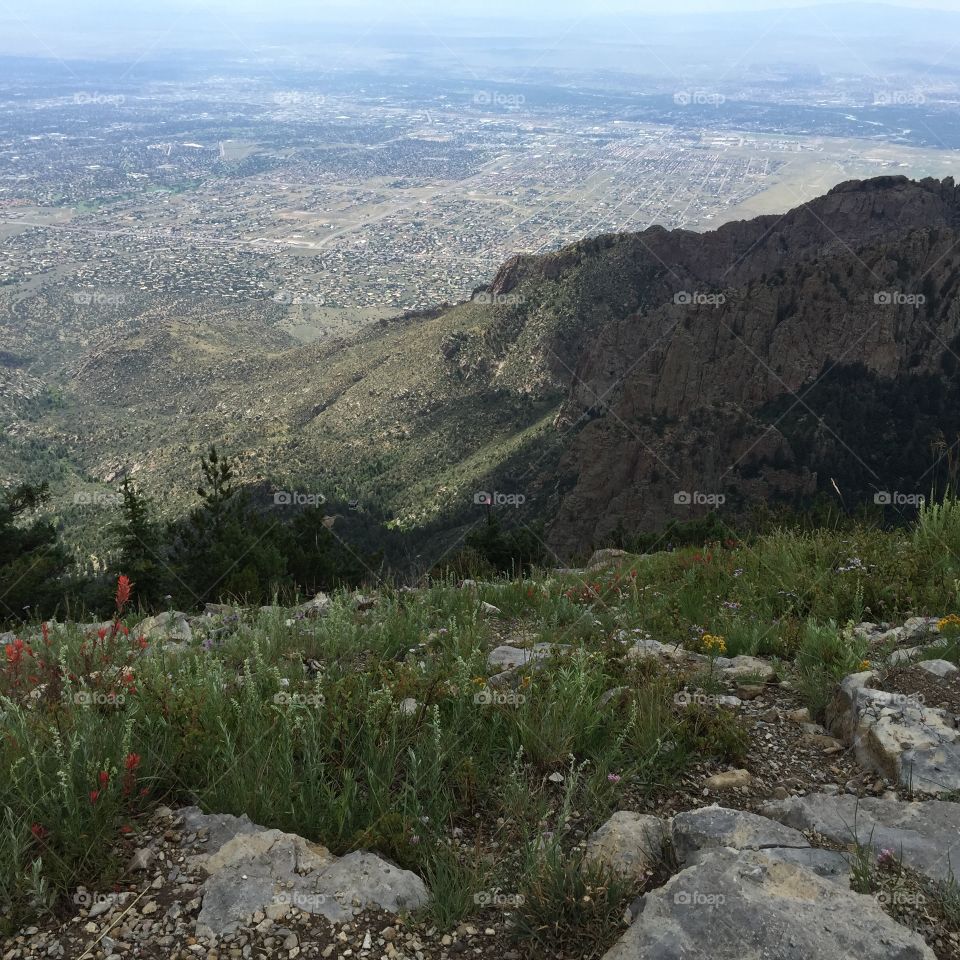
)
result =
(138, 540)
(224, 549)
(33, 563)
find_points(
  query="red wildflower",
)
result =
(102, 633)
(124, 589)
(132, 761)
(39, 831)
(103, 777)
(94, 796)
(45, 630)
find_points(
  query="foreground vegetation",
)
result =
(373, 727)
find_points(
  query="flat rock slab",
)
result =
(699, 832)
(939, 668)
(897, 735)
(744, 906)
(925, 834)
(645, 649)
(507, 657)
(251, 868)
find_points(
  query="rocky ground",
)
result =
(826, 841)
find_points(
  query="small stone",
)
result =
(729, 780)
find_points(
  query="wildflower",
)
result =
(94, 796)
(39, 831)
(103, 777)
(614, 777)
(948, 622)
(886, 858)
(714, 644)
(132, 761)
(864, 664)
(124, 589)
(15, 651)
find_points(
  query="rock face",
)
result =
(660, 387)
(733, 905)
(926, 835)
(251, 868)
(897, 735)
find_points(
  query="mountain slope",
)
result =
(599, 382)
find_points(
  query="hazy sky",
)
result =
(315, 9)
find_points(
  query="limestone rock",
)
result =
(628, 843)
(734, 905)
(696, 832)
(925, 833)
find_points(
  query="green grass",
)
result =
(447, 789)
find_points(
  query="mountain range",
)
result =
(604, 389)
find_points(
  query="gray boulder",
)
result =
(897, 735)
(926, 835)
(736, 905)
(250, 868)
(629, 844)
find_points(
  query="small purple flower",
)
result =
(614, 777)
